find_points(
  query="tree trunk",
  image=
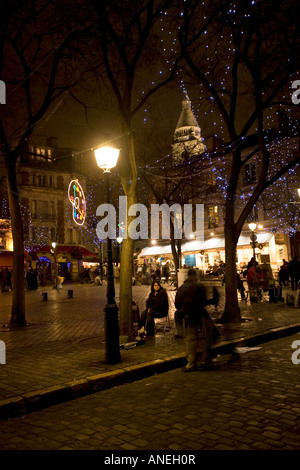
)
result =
(126, 319)
(231, 312)
(18, 275)
(126, 265)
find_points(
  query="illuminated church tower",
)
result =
(187, 140)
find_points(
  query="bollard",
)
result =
(70, 294)
(45, 295)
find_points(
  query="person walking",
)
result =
(294, 272)
(157, 306)
(199, 328)
(283, 275)
(254, 277)
(6, 283)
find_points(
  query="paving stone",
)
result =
(231, 407)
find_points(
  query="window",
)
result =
(70, 236)
(60, 182)
(213, 217)
(253, 216)
(250, 173)
(37, 180)
(44, 180)
(33, 207)
(43, 207)
(52, 208)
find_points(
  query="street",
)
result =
(248, 401)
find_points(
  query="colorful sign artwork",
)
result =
(77, 199)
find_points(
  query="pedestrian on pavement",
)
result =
(166, 272)
(283, 275)
(294, 272)
(6, 283)
(254, 277)
(158, 272)
(157, 306)
(199, 328)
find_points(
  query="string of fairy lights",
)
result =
(285, 216)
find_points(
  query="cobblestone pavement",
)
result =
(60, 354)
(246, 402)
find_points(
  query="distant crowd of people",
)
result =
(150, 273)
(290, 271)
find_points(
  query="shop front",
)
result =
(69, 260)
(205, 255)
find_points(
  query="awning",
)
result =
(214, 243)
(62, 249)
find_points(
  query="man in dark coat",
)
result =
(294, 272)
(190, 302)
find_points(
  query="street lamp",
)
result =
(55, 264)
(107, 158)
(253, 237)
(119, 240)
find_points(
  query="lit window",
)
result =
(213, 217)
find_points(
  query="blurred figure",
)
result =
(199, 328)
(294, 272)
(254, 276)
(283, 275)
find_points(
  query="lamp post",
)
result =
(107, 158)
(253, 237)
(119, 240)
(55, 264)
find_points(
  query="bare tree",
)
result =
(129, 48)
(250, 55)
(35, 45)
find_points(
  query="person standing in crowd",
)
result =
(6, 282)
(254, 276)
(240, 286)
(166, 271)
(157, 306)
(294, 272)
(283, 275)
(190, 302)
(158, 272)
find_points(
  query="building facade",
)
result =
(52, 212)
(276, 214)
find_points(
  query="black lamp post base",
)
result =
(112, 346)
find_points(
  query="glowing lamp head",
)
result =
(106, 157)
(252, 226)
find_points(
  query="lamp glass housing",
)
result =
(106, 157)
(252, 226)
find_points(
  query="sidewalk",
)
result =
(60, 354)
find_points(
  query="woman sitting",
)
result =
(157, 306)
